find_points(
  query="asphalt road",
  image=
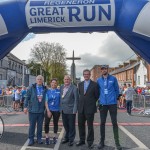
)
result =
(134, 133)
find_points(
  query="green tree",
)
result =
(51, 58)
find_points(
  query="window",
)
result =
(0, 76)
(145, 79)
(138, 80)
(1, 63)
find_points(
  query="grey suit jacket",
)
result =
(69, 103)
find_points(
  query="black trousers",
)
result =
(55, 115)
(113, 114)
(82, 118)
(69, 121)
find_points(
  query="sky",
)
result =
(93, 48)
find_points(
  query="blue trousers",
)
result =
(129, 106)
(35, 118)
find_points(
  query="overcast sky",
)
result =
(94, 49)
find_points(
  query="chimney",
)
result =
(125, 64)
(116, 68)
(138, 58)
(132, 61)
(120, 66)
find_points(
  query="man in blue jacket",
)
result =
(109, 92)
(35, 105)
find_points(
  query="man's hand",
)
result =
(49, 114)
(25, 110)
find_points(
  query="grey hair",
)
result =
(40, 77)
(68, 76)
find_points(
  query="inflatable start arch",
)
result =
(130, 19)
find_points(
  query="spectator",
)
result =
(139, 90)
(23, 94)
(17, 99)
(129, 92)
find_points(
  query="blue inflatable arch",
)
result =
(130, 19)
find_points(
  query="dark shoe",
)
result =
(40, 141)
(90, 146)
(80, 143)
(101, 145)
(54, 140)
(31, 142)
(70, 143)
(64, 141)
(47, 141)
(118, 147)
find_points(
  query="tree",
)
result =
(52, 59)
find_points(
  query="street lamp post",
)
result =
(23, 72)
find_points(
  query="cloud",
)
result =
(94, 49)
(113, 51)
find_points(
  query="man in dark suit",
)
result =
(88, 95)
(68, 106)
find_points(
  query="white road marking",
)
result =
(40, 148)
(133, 138)
(25, 145)
(56, 147)
(59, 139)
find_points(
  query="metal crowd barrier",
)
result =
(141, 103)
(138, 102)
(1, 100)
(147, 105)
(8, 102)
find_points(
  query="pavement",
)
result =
(134, 132)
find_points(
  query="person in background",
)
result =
(35, 104)
(120, 96)
(13, 97)
(68, 106)
(129, 92)
(7, 91)
(17, 98)
(1, 97)
(52, 110)
(109, 92)
(139, 90)
(23, 94)
(123, 103)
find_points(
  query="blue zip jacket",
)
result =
(53, 99)
(112, 90)
(31, 100)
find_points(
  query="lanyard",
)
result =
(105, 86)
(39, 90)
(53, 93)
(39, 93)
(105, 83)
